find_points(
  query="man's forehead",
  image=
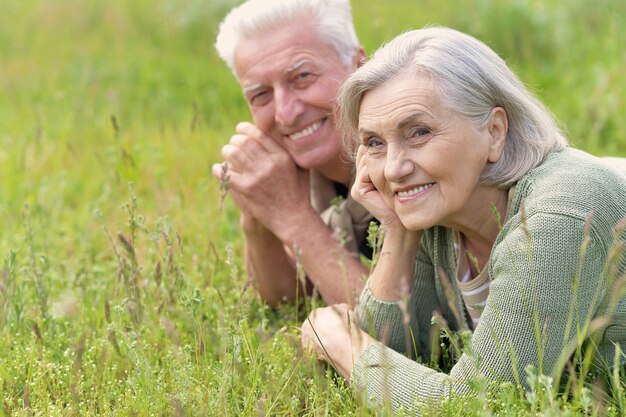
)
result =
(270, 55)
(249, 85)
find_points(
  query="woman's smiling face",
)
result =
(424, 157)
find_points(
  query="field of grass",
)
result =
(121, 285)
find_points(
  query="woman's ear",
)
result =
(498, 128)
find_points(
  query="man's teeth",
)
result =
(306, 132)
(414, 191)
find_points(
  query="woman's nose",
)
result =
(397, 164)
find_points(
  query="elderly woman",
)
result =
(489, 221)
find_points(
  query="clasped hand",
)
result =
(264, 181)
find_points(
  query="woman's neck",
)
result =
(479, 234)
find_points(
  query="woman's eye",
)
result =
(373, 142)
(419, 134)
(420, 131)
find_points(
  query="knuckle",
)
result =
(247, 129)
(356, 194)
(239, 140)
(248, 184)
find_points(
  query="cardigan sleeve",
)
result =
(543, 288)
(403, 326)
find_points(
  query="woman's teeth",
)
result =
(414, 191)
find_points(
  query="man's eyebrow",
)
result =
(253, 87)
(297, 65)
(258, 86)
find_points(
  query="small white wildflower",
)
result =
(66, 307)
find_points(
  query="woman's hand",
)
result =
(392, 278)
(332, 334)
(366, 194)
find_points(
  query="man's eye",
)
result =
(304, 79)
(260, 99)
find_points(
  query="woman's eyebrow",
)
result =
(367, 133)
(401, 125)
(407, 120)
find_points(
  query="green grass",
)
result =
(98, 95)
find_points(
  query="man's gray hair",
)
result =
(472, 79)
(332, 20)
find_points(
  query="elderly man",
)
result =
(285, 171)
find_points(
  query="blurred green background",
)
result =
(69, 67)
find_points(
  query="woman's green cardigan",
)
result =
(549, 276)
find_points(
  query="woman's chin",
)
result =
(413, 224)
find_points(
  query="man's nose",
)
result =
(397, 164)
(288, 106)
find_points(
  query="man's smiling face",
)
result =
(290, 79)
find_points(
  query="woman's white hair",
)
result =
(472, 79)
(332, 20)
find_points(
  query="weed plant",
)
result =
(122, 290)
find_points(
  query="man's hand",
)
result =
(264, 181)
(278, 219)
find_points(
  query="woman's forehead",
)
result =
(399, 93)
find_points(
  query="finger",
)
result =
(364, 176)
(231, 179)
(313, 316)
(362, 186)
(305, 342)
(267, 142)
(233, 186)
(339, 307)
(305, 336)
(237, 159)
(219, 170)
(361, 162)
(341, 311)
(360, 153)
(236, 181)
(250, 146)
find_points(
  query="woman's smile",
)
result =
(413, 192)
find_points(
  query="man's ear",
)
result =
(359, 57)
(497, 128)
